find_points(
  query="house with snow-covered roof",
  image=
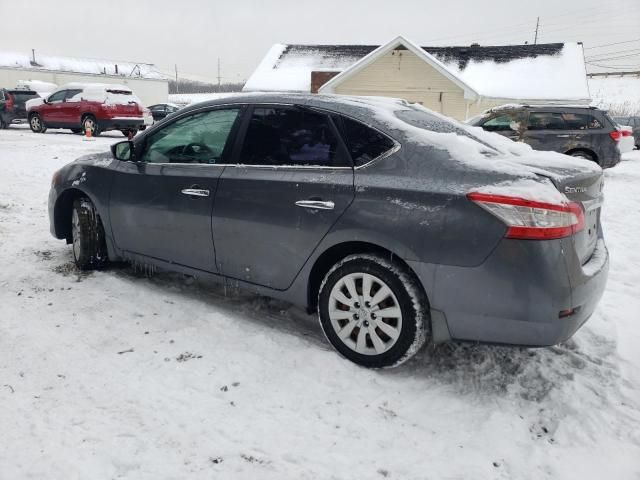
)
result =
(143, 78)
(457, 81)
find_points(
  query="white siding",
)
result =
(402, 74)
(149, 91)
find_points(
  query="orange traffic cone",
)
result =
(88, 135)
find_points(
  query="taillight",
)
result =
(532, 220)
(8, 105)
(626, 133)
(615, 135)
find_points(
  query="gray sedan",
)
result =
(395, 224)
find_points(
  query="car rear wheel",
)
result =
(87, 235)
(90, 123)
(36, 124)
(582, 154)
(373, 311)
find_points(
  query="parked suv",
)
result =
(81, 107)
(584, 132)
(634, 123)
(394, 223)
(12, 105)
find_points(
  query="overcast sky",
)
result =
(194, 33)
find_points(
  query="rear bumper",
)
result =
(120, 123)
(516, 296)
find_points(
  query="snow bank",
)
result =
(182, 99)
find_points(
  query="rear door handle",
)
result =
(195, 192)
(316, 204)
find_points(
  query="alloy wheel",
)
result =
(365, 313)
(75, 233)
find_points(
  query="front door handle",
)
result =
(195, 192)
(564, 136)
(316, 204)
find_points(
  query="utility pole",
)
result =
(535, 40)
(219, 77)
(177, 87)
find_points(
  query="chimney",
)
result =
(318, 79)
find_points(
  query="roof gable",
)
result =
(399, 41)
(511, 72)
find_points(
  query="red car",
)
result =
(81, 107)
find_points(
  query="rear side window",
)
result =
(501, 123)
(286, 136)
(546, 121)
(580, 121)
(364, 143)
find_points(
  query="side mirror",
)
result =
(122, 151)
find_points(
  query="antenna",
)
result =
(535, 40)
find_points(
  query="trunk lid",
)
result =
(580, 181)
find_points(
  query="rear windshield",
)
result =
(21, 96)
(428, 121)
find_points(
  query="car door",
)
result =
(548, 131)
(161, 204)
(291, 180)
(51, 112)
(70, 108)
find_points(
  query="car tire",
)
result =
(36, 124)
(128, 132)
(582, 154)
(89, 122)
(87, 236)
(3, 125)
(352, 325)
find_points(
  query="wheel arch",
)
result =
(62, 211)
(339, 251)
(586, 150)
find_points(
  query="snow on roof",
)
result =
(618, 94)
(80, 65)
(288, 67)
(522, 72)
(528, 72)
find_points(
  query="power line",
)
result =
(608, 54)
(610, 44)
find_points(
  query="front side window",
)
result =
(199, 138)
(288, 136)
(501, 123)
(57, 97)
(546, 121)
(364, 143)
(73, 95)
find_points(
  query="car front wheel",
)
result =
(87, 235)
(373, 311)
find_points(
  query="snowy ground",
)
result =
(115, 375)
